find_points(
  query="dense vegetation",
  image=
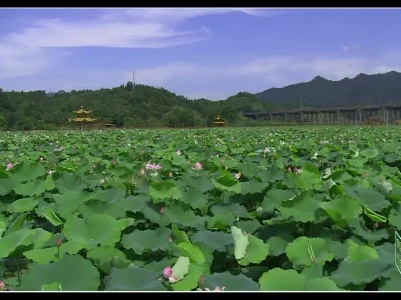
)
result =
(144, 107)
(219, 208)
(156, 107)
(362, 90)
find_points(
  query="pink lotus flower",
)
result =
(170, 175)
(197, 166)
(9, 166)
(150, 166)
(167, 272)
(178, 152)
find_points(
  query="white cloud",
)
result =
(40, 44)
(333, 68)
(61, 33)
(18, 60)
(31, 49)
(263, 12)
(351, 47)
(128, 28)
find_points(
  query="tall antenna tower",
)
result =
(133, 81)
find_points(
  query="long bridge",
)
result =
(335, 115)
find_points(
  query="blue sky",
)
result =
(210, 53)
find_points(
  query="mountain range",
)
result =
(377, 89)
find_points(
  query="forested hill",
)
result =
(362, 90)
(146, 106)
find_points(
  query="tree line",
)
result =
(124, 106)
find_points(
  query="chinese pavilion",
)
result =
(218, 121)
(82, 117)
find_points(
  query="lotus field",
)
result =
(219, 209)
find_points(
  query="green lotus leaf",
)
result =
(65, 272)
(227, 183)
(274, 197)
(146, 240)
(342, 207)
(165, 190)
(302, 207)
(134, 278)
(370, 153)
(180, 236)
(241, 242)
(181, 268)
(93, 231)
(305, 251)
(24, 237)
(55, 286)
(190, 281)
(23, 205)
(195, 198)
(106, 258)
(230, 282)
(278, 279)
(192, 251)
(26, 172)
(256, 251)
(212, 240)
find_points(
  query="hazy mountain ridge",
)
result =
(376, 89)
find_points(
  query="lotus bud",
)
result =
(201, 280)
(167, 272)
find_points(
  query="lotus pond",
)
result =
(234, 209)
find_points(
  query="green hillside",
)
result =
(146, 106)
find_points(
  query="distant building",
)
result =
(218, 121)
(82, 117)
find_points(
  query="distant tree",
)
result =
(147, 107)
(3, 122)
(129, 86)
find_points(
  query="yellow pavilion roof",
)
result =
(82, 120)
(82, 111)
